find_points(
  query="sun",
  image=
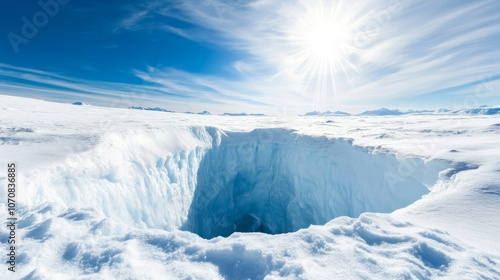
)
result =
(321, 46)
(326, 41)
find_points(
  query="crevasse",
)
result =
(214, 183)
(276, 181)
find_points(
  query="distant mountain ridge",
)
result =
(480, 110)
(327, 113)
(151, 109)
(382, 112)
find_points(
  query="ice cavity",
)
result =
(214, 183)
(276, 181)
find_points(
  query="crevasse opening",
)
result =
(214, 183)
(275, 181)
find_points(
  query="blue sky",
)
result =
(262, 56)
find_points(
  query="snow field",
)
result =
(121, 204)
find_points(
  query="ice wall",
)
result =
(275, 181)
(140, 178)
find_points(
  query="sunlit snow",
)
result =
(122, 193)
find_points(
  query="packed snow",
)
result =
(119, 193)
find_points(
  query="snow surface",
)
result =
(117, 193)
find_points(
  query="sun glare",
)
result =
(321, 43)
(326, 42)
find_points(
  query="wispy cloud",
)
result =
(173, 89)
(425, 46)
